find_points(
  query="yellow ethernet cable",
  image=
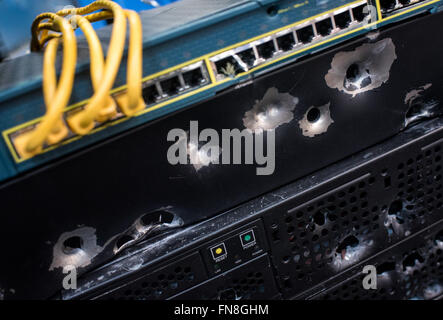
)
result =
(107, 104)
(56, 99)
(83, 121)
(101, 106)
(131, 101)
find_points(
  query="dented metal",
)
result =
(364, 69)
(77, 257)
(274, 110)
(312, 127)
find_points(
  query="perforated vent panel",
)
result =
(162, 283)
(334, 226)
(252, 281)
(413, 271)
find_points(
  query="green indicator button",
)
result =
(247, 239)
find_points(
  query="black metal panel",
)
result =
(253, 280)
(410, 270)
(111, 184)
(325, 262)
(332, 227)
(160, 283)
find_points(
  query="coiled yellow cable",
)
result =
(83, 121)
(132, 101)
(30, 143)
(101, 106)
(107, 105)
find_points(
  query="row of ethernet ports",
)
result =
(155, 90)
(389, 6)
(175, 83)
(241, 59)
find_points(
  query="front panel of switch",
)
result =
(235, 248)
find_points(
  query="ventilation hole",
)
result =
(332, 217)
(313, 115)
(387, 182)
(386, 267)
(123, 240)
(72, 244)
(412, 259)
(156, 217)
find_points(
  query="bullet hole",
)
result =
(316, 120)
(228, 294)
(72, 245)
(319, 218)
(124, 239)
(75, 248)
(356, 77)
(412, 259)
(352, 72)
(361, 70)
(386, 267)
(347, 243)
(156, 217)
(395, 208)
(414, 110)
(313, 115)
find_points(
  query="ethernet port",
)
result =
(150, 94)
(248, 57)
(387, 5)
(305, 34)
(286, 42)
(324, 27)
(342, 20)
(194, 78)
(228, 67)
(171, 86)
(266, 50)
(361, 12)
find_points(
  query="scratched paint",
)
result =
(274, 110)
(363, 69)
(318, 125)
(77, 257)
